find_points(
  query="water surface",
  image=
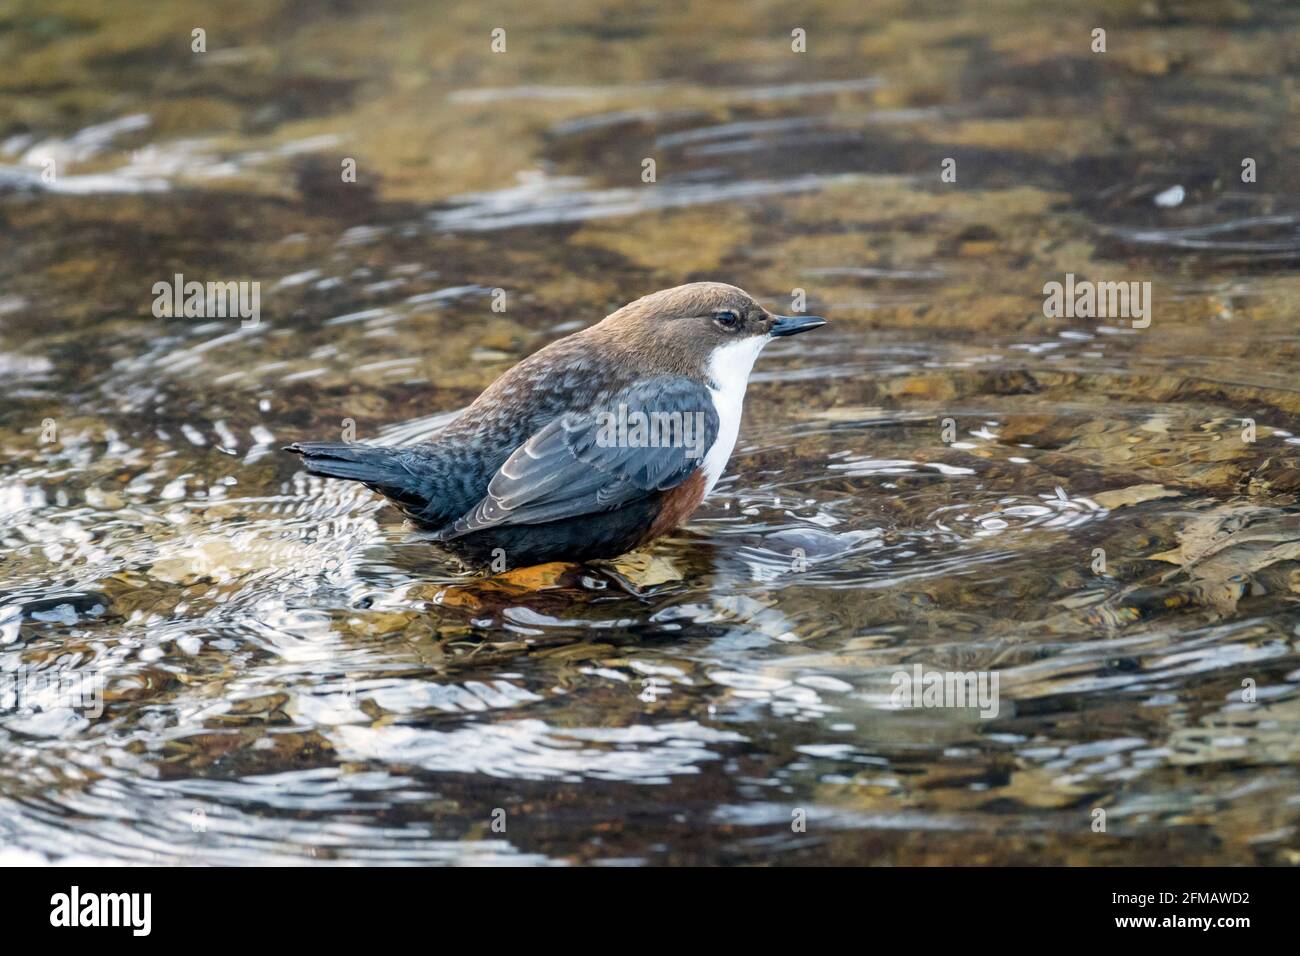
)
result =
(292, 674)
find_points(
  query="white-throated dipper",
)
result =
(597, 444)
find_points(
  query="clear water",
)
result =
(290, 673)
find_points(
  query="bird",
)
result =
(593, 446)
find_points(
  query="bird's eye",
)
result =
(727, 318)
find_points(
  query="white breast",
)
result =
(729, 368)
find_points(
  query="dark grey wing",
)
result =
(588, 462)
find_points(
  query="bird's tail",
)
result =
(377, 467)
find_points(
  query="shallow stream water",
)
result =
(1104, 516)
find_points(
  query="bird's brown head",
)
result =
(685, 328)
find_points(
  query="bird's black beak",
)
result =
(794, 324)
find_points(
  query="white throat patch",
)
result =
(728, 371)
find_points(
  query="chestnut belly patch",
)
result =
(678, 504)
